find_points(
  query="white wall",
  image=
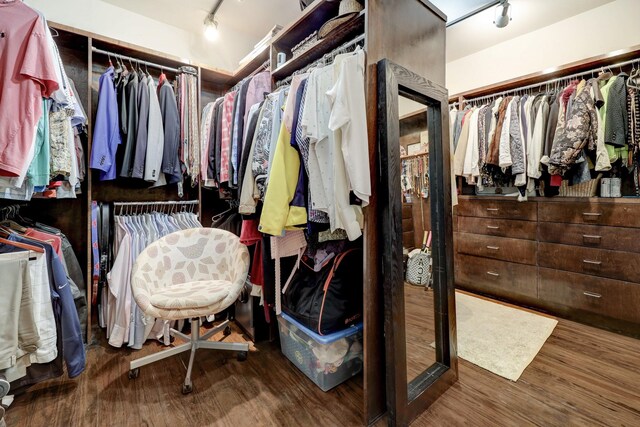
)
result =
(601, 30)
(108, 20)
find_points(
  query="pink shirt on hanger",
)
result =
(225, 145)
(52, 239)
(27, 74)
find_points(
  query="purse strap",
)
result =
(336, 264)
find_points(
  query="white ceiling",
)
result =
(244, 21)
(251, 17)
(478, 32)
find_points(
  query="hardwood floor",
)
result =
(265, 390)
(582, 377)
(419, 329)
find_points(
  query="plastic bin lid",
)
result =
(324, 339)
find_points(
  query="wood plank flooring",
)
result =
(582, 377)
(265, 390)
(419, 329)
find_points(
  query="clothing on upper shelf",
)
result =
(41, 118)
(152, 124)
(585, 126)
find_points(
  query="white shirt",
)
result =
(120, 291)
(349, 115)
(471, 169)
(314, 121)
(536, 145)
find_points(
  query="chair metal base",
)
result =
(195, 341)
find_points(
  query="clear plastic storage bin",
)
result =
(327, 360)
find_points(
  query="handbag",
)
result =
(328, 300)
(419, 265)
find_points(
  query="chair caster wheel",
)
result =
(134, 373)
(227, 331)
(187, 388)
(242, 356)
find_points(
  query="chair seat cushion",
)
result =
(191, 295)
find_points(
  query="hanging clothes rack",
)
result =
(266, 64)
(326, 59)
(135, 60)
(10, 212)
(151, 205)
(553, 81)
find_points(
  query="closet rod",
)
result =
(327, 56)
(135, 60)
(266, 64)
(171, 202)
(552, 81)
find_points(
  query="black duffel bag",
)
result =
(329, 300)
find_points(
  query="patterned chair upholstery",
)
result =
(190, 274)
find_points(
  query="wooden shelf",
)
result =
(340, 35)
(319, 12)
(413, 156)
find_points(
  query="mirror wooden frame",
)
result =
(405, 401)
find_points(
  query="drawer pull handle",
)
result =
(493, 227)
(493, 248)
(492, 209)
(591, 237)
(493, 273)
(592, 294)
(591, 214)
(588, 261)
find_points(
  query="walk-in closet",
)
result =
(319, 212)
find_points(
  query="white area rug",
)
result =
(501, 339)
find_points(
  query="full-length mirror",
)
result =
(416, 237)
(416, 225)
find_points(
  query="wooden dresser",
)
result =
(574, 257)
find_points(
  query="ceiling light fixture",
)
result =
(503, 14)
(211, 28)
(210, 23)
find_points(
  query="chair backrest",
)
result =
(187, 256)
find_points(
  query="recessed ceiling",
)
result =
(478, 32)
(251, 17)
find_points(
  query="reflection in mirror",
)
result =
(416, 241)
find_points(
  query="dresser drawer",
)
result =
(496, 277)
(593, 236)
(498, 227)
(507, 209)
(613, 214)
(407, 224)
(596, 262)
(407, 211)
(502, 248)
(608, 297)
